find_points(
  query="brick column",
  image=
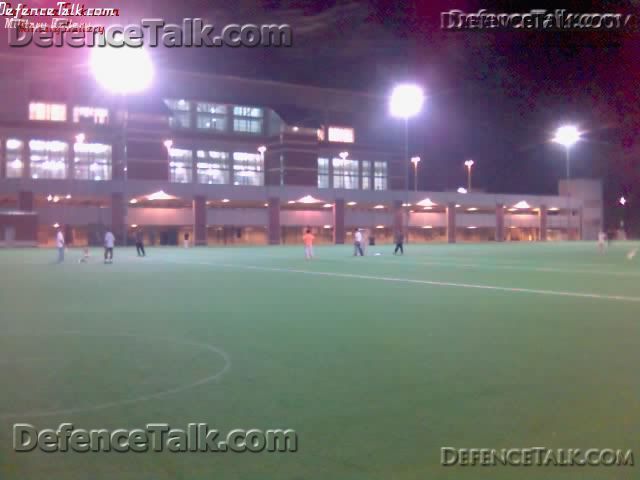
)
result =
(118, 217)
(338, 221)
(25, 201)
(499, 222)
(200, 220)
(273, 212)
(542, 223)
(451, 223)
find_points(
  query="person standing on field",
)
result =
(60, 245)
(357, 243)
(140, 244)
(308, 238)
(399, 243)
(109, 242)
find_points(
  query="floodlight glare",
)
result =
(567, 136)
(123, 70)
(406, 101)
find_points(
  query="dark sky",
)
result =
(495, 97)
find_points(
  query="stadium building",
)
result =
(232, 160)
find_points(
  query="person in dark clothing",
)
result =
(140, 244)
(399, 244)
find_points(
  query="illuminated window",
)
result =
(366, 175)
(14, 158)
(48, 159)
(321, 134)
(92, 161)
(247, 169)
(180, 113)
(247, 119)
(212, 167)
(180, 165)
(98, 116)
(323, 173)
(345, 174)
(380, 175)
(341, 134)
(211, 116)
(53, 112)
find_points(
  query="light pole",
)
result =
(415, 161)
(406, 101)
(567, 136)
(623, 202)
(468, 164)
(122, 71)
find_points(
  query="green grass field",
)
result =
(376, 362)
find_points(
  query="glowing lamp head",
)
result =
(406, 101)
(469, 163)
(80, 138)
(567, 136)
(262, 149)
(168, 144)
(623, 201)
(343, 155)
(415, 161)
(122, 70)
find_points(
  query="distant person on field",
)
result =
(109, 242)
(186, 240)
(308, 238)
(399, 243)
(357, 243)
(602, 238)
(60, 245)
(140, 244)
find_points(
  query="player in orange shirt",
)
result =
(308, 238)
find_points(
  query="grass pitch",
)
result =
(376, 362)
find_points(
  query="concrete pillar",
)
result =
(398, 218)
(200, 220)
(25, 201)
(451, 223)
(118, 217)
(499, 222)
(338, 222)
(273, 213)
(542, 222)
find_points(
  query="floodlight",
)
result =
(122, 70)
(567, 136)
(406, 101)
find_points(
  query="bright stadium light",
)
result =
(567, 136)
(123, 70)
(622, 201)
(406, 101)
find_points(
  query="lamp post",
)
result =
(415, 161)
(567, 136)
(122, 71)
(469, 164)
(405, 102)
(623, 201)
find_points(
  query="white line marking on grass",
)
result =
(557, 293)
(143, 398)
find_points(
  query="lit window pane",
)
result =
(180, 165)
(212, 167)
(180, 113)
(14, 158)
(247, 169)
(53, 112)
(48, 159)
(345, 174)
(92, 161)
(98, 116)
(366, 175)
(247, 119)
(341, 134)
(380, 175)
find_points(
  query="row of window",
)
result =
(215, 167)
(215, 116)
(57, 112)
(352, 174)
(48, 160)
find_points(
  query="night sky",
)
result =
(495, 97)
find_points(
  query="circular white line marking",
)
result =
(152, 396)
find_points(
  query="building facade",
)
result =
(231, 160)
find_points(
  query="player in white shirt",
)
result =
(602, 239)
(109, 242)
(357, 243)
(60, 245)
